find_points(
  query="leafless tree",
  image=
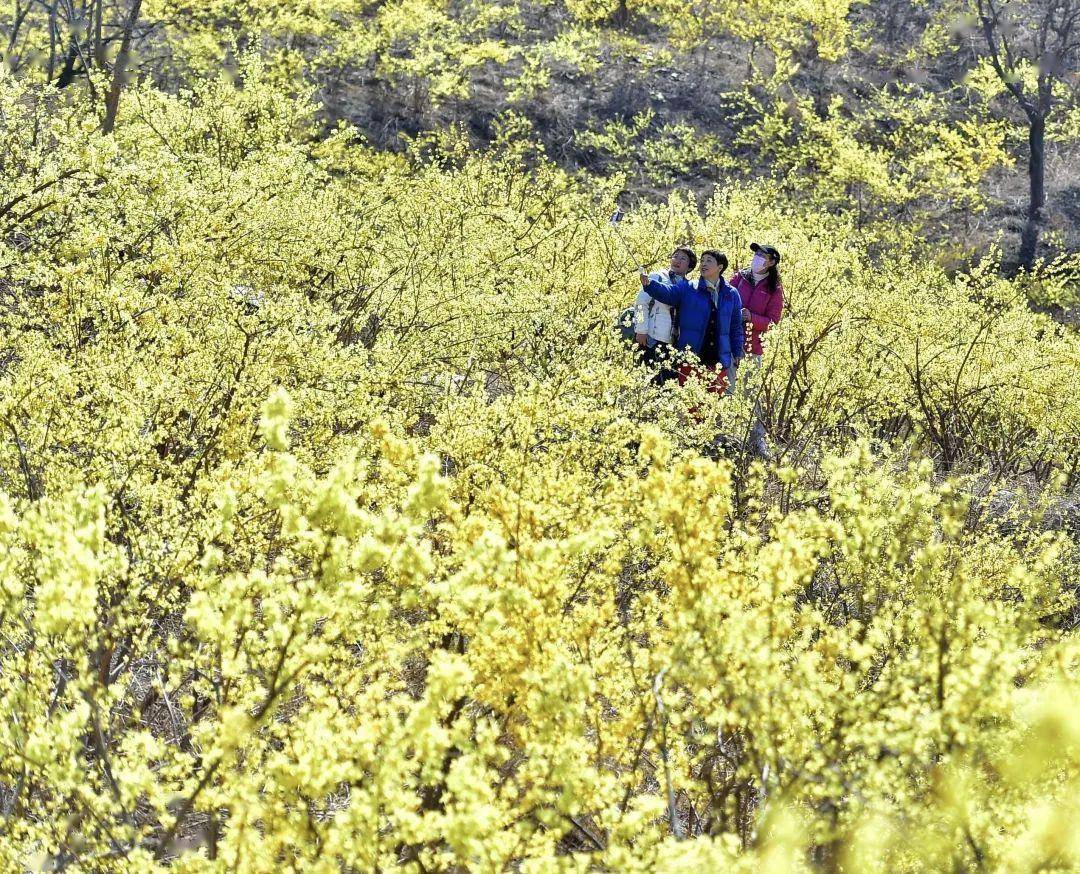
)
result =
(80, 35)
(1043, 35)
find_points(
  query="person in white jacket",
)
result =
(656, 323)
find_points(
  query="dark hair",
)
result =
(690, 256)
(719, 257)
(772, 277)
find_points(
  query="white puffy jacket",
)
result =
(652, 318)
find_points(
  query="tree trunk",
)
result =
(112, 98)
(67, 73)
(1029, 238)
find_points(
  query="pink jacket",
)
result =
(765, 307)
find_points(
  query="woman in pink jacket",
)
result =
(761, 292)
(762, 296)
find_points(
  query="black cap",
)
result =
(772, 251)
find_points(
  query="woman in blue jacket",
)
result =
(710, 320)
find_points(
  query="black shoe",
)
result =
(720, 446)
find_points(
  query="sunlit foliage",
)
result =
(339, 530)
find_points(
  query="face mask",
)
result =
(758, 264)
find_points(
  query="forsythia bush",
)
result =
(339, 532)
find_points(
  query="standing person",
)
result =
(710, 320)
(656, 323)
(762, 296)
(761, 293)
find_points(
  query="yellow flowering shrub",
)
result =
(339, 531)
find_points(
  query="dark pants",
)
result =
(660, 356)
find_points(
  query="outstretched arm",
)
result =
(669, 294)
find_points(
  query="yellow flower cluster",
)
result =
(394, 557)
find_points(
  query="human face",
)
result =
(679, 263)
(762, 261)
(710, 268)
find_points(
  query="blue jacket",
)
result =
(692, 299)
